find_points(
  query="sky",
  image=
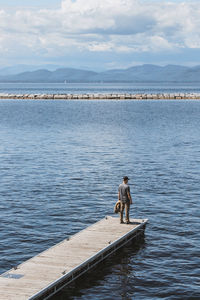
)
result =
(99, 34)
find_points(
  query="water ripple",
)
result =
(61, 163)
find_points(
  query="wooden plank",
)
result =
(58, 263)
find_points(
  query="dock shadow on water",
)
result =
(115, 272)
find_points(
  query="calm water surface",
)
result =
(103, 88)
(61, 163)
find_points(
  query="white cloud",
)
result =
(126, 26)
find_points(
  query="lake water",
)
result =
(84, 88)
(61, 163)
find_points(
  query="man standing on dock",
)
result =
(124, 196)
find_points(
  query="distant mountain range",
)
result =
(17, 69)
(144, 73)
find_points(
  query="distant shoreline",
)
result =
(96, 96)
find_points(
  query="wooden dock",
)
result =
(45, 274)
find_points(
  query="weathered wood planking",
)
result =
(45, 274)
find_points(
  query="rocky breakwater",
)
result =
(167, 96)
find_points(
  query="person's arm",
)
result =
(118, 196)
(129, 196)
